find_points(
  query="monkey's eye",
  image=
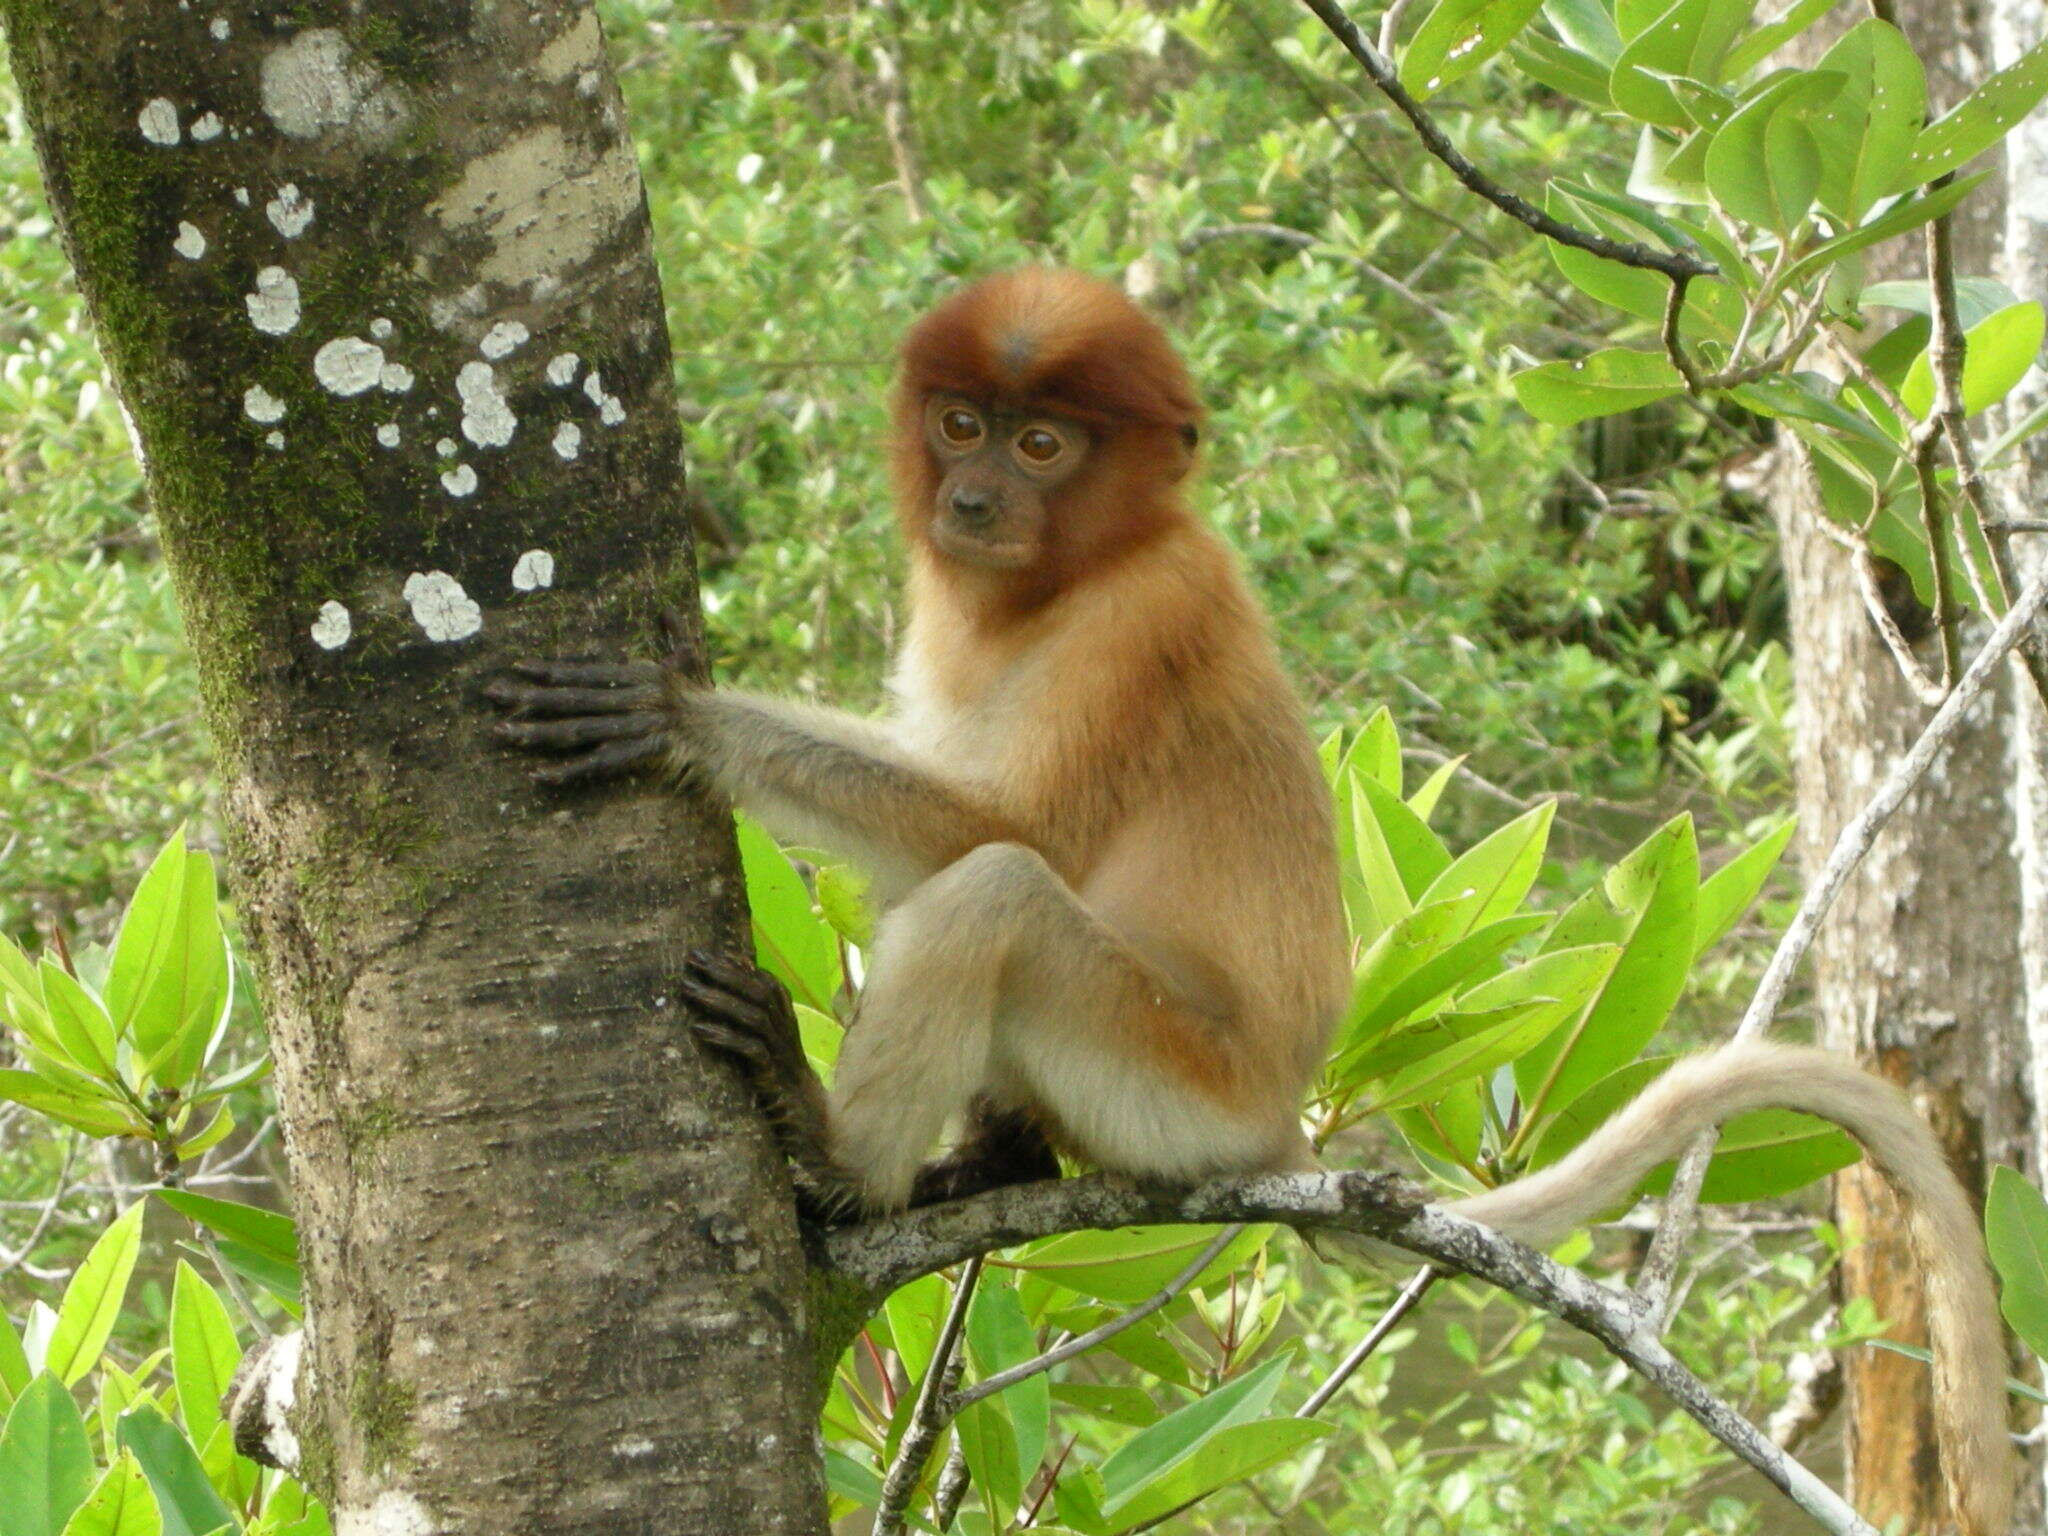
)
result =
(1039, 446)
(959, 426)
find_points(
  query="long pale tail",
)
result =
(1700, 1093)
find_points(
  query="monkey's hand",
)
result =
(609, 717)
(742, 1013)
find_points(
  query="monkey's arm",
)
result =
(813, 775)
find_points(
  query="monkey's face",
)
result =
(997, 474)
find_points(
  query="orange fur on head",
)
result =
(1041, 340)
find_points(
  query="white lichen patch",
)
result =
(633, 1447)
(504, 338)
(544, 203)
(459, 481)
(392, 1513)
(274, 440)
(577, 46)
(219, 28)
(561, 370)
(568, 440)
(190, 244)
(159, 122)
(206, 127)
(315, 84)
(487, 418)
(388, 435)
(241, 196)
(395, 378)
(281, 1364)
(441, 607)
(260, 405)
(382, 328)
(445, 310)
(349, 365)
(446, 447)
(332, 626)
(274, 306)
(609, 409)
(535, 568)
(290, 211)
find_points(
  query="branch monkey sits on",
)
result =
(1102, 844)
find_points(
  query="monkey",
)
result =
(1101, 843)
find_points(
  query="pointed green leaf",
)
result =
(204, 1353)
(1564, 69)
(122, 1505)
(46, 1468)
(2016, 1230)
(79, 1022)
(1691, 38)
(1728, 892)
(1998, 351)
(265, 1231)
(998, 1337)
(96, 1116)
(1229, 1455)
(92, 1299)
(1773, 35)
(1376, 751)
(1131, 1263)
(1380, 1009)
(790, 940)
(185, 1497)
(1498, 870)
(1866, 132)
(1424, 801)
(1397, 854)
(148, 939)
(1763, 166)
(1153, 1453)
(1979, 120)
(1498, 1036)
(990, 1445)
(14, 1366)
(1457, 37)
(1895, 220)
(1604, 384)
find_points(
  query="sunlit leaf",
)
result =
(92, 1298)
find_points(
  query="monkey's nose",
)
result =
(973, 506)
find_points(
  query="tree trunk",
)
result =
(1917, 969)
(375, 285)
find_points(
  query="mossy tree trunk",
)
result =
(375, 284)
(1917, 970)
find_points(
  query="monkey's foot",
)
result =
(612, 716)
(1003, 1147)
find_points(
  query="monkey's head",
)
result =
(1043, 422)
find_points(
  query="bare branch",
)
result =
(883, 1254)
(1681, 1205)
(928, 1418)
(1380, 69)
(1404, 1302)
(897, 124)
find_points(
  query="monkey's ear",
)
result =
(1190, 440)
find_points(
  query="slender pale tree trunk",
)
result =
(1918, 968)
(374, 282)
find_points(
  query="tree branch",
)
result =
(929, 1418)
(1681, 1205)
(883, 1254)
(1380, 69)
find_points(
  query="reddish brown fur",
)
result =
(1043, 340)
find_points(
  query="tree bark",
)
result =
(1917, 969)
(375, 285)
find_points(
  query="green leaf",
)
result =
(1588, 26)
(1976, 299)
(170, 987)
(95, 1116)
(1691, 39)
(148, 939)
(1376, 751)
(1979, 120)
(1424, 801)
(1489, 1038)
(990, 1445)
(1727, 893)
(1604, 384)
(189, 1505)
(1773, 35)
(1457, 37)
(1117, 1403)
(1153, 1453)
(1437, 975)
(1394, 956)
(1647, 903)
(1397, 854)
(1498, 870)
(1229, 1455)
(915, 1312)
(264, 1231)
(1998, 351)
(1866, 132)
(2016, 1231)
(1564, 69)
(122, 1505)
(14, 1366)
(1131, 1263)
(790, 940)
(79, 1022)
(281, 1280)
(1763, 166)
(1895, 220)
(204, 1353)
(842, 898)
(998, 1337)
(46, 1468)
(92, 1299)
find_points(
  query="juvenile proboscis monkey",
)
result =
(1101, 842)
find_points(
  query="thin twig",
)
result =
(989, 1386)
(1380, 69)
(46, 1209)
(927, 1418)
(1681, 1205)
(1403, 1303)
(898, 126)
(952, 1489)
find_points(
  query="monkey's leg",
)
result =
(995, 972)
(1003, 1146)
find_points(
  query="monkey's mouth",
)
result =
(987, 547)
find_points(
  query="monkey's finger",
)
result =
(711, 998)
(740, 1045)
(530, 699)
(741, 979)
(581, 730)
(606, 762)
(590, 674)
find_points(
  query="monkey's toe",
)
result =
(611, 761)
(747, 984)
(590, 674)
(528, 699)
(734, 1042)
(581, 730)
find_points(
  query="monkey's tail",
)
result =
(1702, 1092)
